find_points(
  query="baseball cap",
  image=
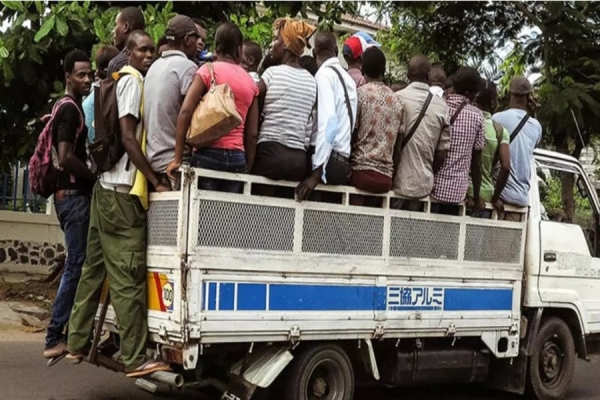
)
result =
(181, 26)
(353, 47)
(367, 38)
(520, 86)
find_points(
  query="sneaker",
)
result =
(57, 350)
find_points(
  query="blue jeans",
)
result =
(74, 216)
(220, 160)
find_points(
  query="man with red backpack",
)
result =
(73, 182)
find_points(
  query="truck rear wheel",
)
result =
(552, 363)
(320, 372)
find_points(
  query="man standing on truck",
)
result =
(72, 197)
(422, 149)
(165, 87)
(336, 110)
(117, 235)
(128, 20)
(466, 145)
(525, 133)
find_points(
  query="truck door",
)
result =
(570, 246)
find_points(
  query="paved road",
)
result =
(24, 376)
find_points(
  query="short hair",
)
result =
(437, 75)
(325, 41)
(466, 80)
(134, 17)
(228, 38)
(199, 22)
(72, 58)
(254, 50)
(488, 92)
(310, 64)
(373, 63)
(104, 55)
(419, 68)
(134, 36)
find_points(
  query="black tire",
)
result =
(319, 372)
(552, 363)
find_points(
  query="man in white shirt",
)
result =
(117, 234)
(336, 115)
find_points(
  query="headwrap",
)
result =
(295, 34)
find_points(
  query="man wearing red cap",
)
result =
(352, 51)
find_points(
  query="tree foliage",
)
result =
(41, 33)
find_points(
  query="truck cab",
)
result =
(250, 292)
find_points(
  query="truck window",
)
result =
(565, 199)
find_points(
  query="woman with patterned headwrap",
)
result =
(288, 93)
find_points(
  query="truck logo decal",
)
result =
(415, 298)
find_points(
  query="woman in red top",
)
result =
(235, 151)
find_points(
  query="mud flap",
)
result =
(508, 374)
(264, 366)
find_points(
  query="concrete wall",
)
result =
(29, 241)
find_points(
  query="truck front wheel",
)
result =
(320, 372)
(552, 363)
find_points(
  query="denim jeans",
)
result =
(74, 216)
(220, 160)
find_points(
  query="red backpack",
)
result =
(43, 165)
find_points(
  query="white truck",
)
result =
(249, 291)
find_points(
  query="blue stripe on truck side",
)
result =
(297, 297)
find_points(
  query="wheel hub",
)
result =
(319, 387)
(551, 362)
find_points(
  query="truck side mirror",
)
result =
(582, 188)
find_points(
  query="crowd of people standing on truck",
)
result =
(303, 118)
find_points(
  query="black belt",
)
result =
(61, 194)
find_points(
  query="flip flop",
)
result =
(54, 360)
(147, 368)
(75, 358)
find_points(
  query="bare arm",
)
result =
(476, 174)
(262, 92)
(251, 134)
(71, 164)
(438, 161)
(134, 151)
(504, 171)
(194, 94)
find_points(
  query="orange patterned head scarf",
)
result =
(295, 34)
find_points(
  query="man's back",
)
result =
(334, 126)
(516, 191)
(452, 180)
(165, 87)
(414, 174)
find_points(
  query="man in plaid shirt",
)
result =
(467, 142)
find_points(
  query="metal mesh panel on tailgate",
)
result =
(338, 233)
(493, 244)
(245, 226)
(417, 238)
(162, 223)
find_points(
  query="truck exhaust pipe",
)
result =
(170, 378)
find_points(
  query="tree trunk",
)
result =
(567, 180)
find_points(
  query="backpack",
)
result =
(107, 149)
(43, 165)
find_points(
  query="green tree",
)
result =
(41, 33)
